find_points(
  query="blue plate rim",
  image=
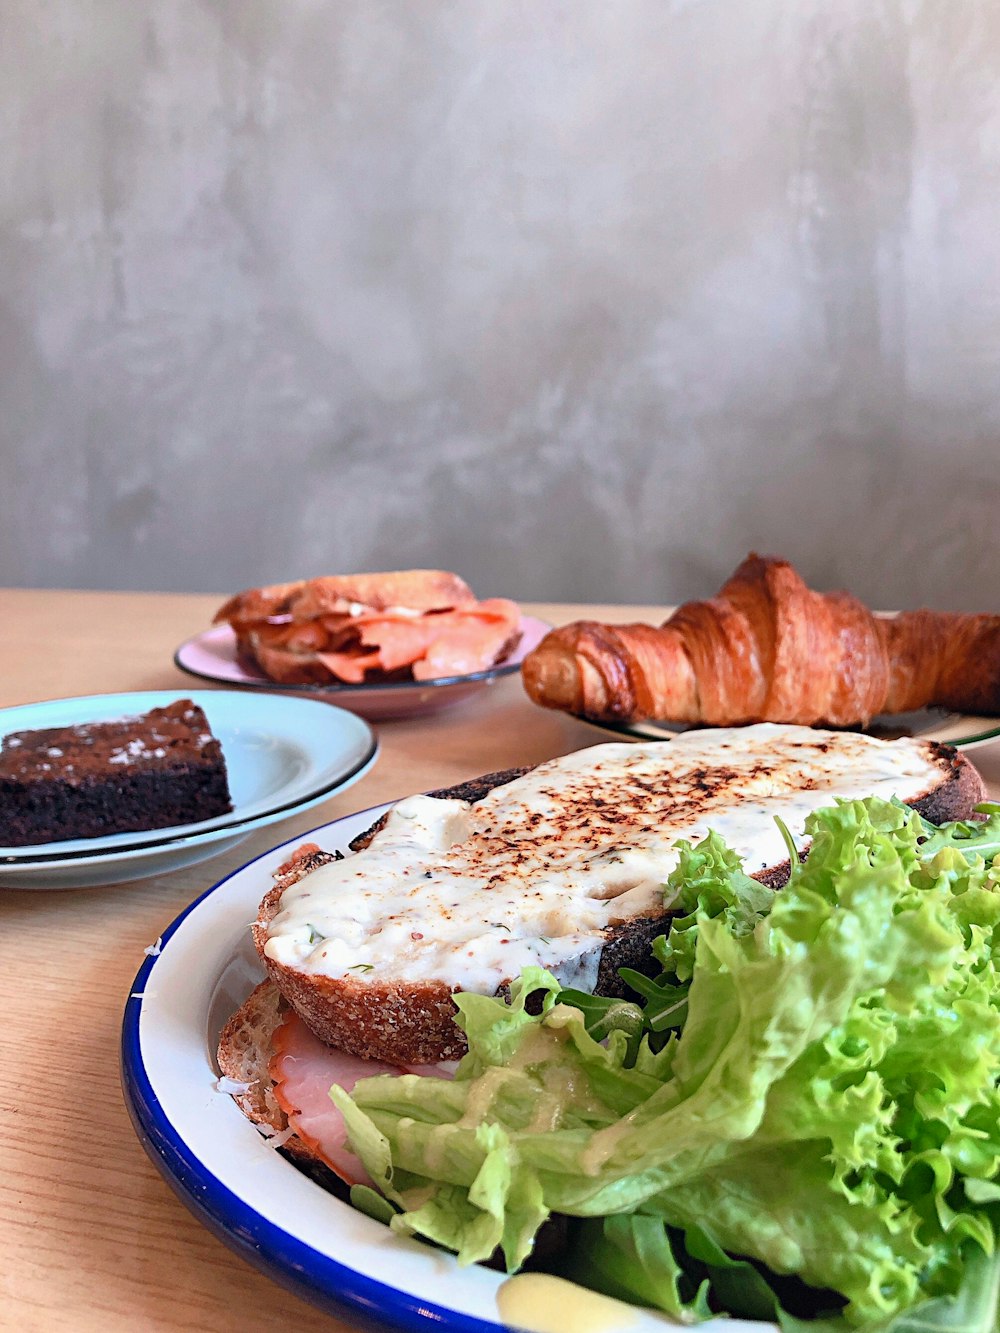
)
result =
(12, 858)
(294, 1264)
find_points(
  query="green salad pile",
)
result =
(798, 1119)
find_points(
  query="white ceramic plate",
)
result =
(282, 754)
(250, 1196)
(930, 724)
(212, 656)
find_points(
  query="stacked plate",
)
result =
(283, 755)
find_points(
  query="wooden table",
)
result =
(93, 1237)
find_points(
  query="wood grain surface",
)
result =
(93, 1237)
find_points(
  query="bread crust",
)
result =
(399, 1022)
(960, 790)
(246, 1045)
(244, 1050)
(308, 599)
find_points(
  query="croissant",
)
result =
(769, 649)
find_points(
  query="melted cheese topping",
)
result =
(538, 870)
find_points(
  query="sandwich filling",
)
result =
(538, 870)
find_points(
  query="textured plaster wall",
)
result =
(580, 298)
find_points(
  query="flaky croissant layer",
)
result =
(769, 649)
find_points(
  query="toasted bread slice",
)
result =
(245, 1047)
(258, 604)
(285, 666)
(245, 1050)
(403, 1022)
(415, 589)
(406, 1023)
(411, 1021)
(307, 599)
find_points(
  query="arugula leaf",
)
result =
(708, 882)
(603, 1015)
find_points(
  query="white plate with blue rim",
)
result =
(283, 755)
(927, 724)
(254, 1199)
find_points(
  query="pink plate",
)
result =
(212, 656)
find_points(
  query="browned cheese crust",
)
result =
(414, 1024)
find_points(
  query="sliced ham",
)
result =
(304, 1069)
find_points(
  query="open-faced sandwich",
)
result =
(412, 624)
(751, 1081)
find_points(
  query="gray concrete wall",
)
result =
(581, 299)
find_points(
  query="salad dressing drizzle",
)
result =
(539, 1303)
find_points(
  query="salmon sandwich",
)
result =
(412, 624)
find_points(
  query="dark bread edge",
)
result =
(961, 788)
(630, 944)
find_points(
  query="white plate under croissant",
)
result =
(768, 648)
(928, 724)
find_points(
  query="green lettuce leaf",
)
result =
(819, 1098)
(635, 1257)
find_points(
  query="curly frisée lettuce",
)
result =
(799, 1117)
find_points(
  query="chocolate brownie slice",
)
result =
(86, 781)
